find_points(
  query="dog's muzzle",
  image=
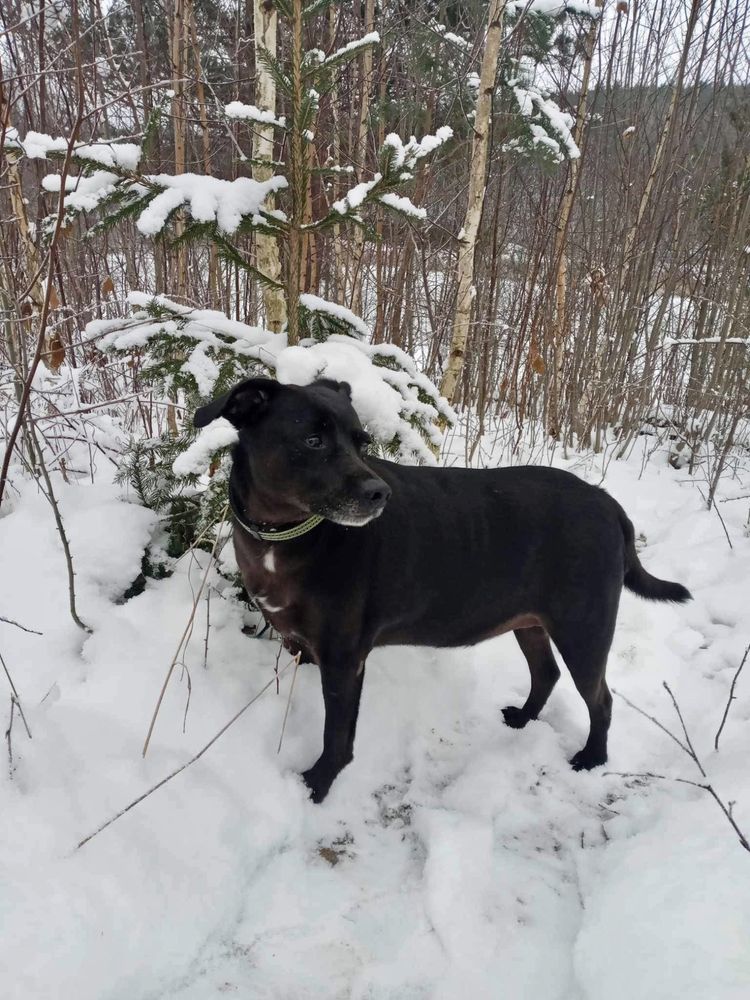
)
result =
(364, 503)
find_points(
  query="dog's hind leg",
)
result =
(535, 645)
(585, 653)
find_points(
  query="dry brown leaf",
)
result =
(55, 352)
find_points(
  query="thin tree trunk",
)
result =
(360, 158)
(297, 182)
(177, 47)
(213, 257)
(477, 181)
(664, 139)
(267, 249)
(560, 284)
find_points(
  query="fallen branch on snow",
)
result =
(731, 697)
(688, 748)
(9, 621)
(192, 760)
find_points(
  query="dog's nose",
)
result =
(375, 491)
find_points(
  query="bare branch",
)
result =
(187, 764)
(737, 673)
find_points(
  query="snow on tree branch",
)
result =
(398, 160)
(202, 352)
(553, 8)
(356, 196)
(541, 116)
(207, 199)
(405, 155)
(248, 112)
(402, 204)
(315, 304)
(39, 146)
(449, 36)
(196, 458)
(347, 51)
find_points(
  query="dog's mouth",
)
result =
(354, 513)
(351, 518)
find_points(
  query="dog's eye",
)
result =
(314, 441)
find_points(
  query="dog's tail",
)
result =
(639, 580)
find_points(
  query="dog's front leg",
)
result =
(341, 677)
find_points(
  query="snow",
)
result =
(451, 37)
(387, 400)
(38, 146)
(403, 204)
(85, 191)
(205, 198)
(530, 99)
(315, 304)
(406, 154)
(431, 142)
(126, 155)
(208, 199)
(372, 38)
(471, 861)
(677, 341)
(356, 195)
(248, 112)
(555, 7)
(196, 457)
(209, 328)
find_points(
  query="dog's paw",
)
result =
(514, 717)
(585, 760)
(318, 784)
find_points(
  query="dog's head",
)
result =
(303, 446)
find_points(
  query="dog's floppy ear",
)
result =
(241, 405)
(331, 383)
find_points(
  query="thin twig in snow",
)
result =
(711, 505)
(689, 749)
(16, 697)
(9, 737)
(187, 764)
(49, 493)
(731, 697)
(208, 628)
(651, 718)
(297, 658)
(185, 635)
(9, 621)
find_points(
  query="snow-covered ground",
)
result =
(455, 858)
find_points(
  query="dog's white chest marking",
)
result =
(269, 585)
(263, 603)
(269, 561)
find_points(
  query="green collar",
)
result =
(271, 534)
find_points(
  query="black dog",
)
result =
(345, 552)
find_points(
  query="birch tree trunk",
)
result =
(477, 180)
(267, 249)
